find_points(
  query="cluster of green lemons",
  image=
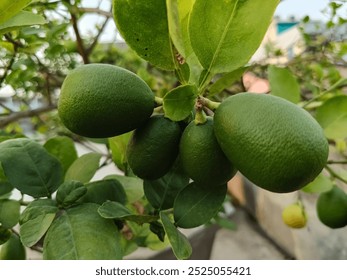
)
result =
(272, 142)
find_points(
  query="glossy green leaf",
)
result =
(284, 84)
(9, 8)
(117, 211)
(179, 102)
(29, 167)
(5, 235)
(63, 148)
(225, 81)
(196, 204)
(144, 27)
(84, 168)
(178, 18)
(321, 184)
(178, 12)
(226, 33)
(21, 19)
(36, 219)
(332, 116)
(133, 186)
(80, 233)
(158, 229)
(100, 191)
(69, 192)
(161, 193)
(9, 213)
(118, 147)
(179, 243)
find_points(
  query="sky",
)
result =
(301, 8)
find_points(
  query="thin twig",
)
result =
(96, 39)
(81, 50)
(96, 11)
(25, 114)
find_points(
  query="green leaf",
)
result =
(5, 186)
(179, 102)
(144, 27)
(225, 223)
(115, 210)
(321, 184)
(69, 192)
(133, 186)
(36, 219)
(161, 193)
(284, 84)
(32, 231)
(178, 18)
(158, 229)
(118, 147)
(178, 12)
(29, 167)
(20, 20)
(332, 116)
(225, 81)
(179, 243)
(9, 213)
(63, 148)
(5, 235)
(80, 233)
(8, 8)
(83, 169)
(100, 191)
(226, 33)
(197, 204)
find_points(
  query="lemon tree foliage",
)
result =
(171, 113)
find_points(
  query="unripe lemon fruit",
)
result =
(332, 208)
(294, 216)
(274, 143)
(201, 157)
(100, 100)
(153, 148)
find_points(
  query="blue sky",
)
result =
(301, 8)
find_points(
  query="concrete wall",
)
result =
(315, 241)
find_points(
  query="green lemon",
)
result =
(294, 216)
(332, 208)
(201, 157)
(153, 148)
(13, 249)
(274, 143)
(99, 101)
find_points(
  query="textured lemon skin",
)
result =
(153, 147)
(201, 157)
(294, 216)
(274, 143)
(101, 100)
(332, 208)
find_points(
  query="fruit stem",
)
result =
(158, 100)
(209, 103)
(200, 116)
(334, 174)
(337, 162)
